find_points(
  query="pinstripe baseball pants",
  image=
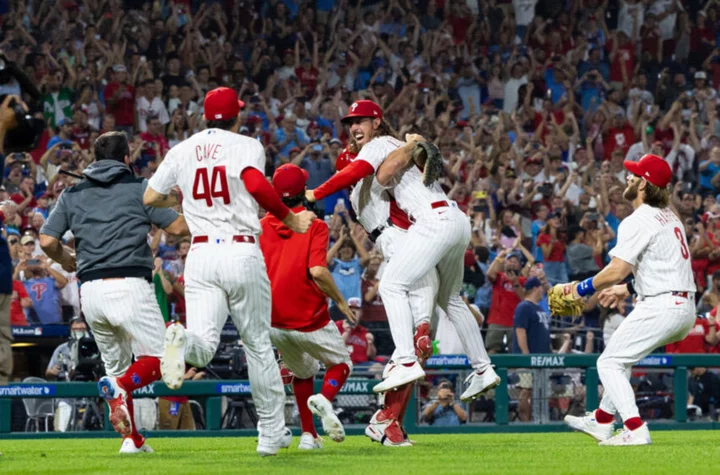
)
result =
(222, 279)
(654, 322)
(301, 351)
(437, 239)
(125, 319)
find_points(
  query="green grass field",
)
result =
(692, 452)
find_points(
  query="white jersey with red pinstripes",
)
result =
(207, 168)
(653, 241)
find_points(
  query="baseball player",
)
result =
(220, 175)
(651, 244)
(437, 239)
(385, 223)
(301, 327)
(381, 216)
(114, 264)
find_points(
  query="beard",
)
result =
(631, 192)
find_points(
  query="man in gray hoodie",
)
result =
(114, 264)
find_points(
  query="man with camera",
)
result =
(444, 411)
(61, 367)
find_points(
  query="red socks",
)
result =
(303, 389)
(134, 435)
(633, 423)
(603, 417)
(335, 377)
(144, 371)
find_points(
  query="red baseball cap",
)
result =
(651, 168)
(344, 159)
(364, 108)
(222, 104)
(289, 180)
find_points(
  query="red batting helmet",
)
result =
(364, 108)
(344, 159)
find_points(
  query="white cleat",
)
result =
(172, 364)
(399, 376)
(128, 447)
(588, 425)
(270, 449)
(625, 436)
(308, 442)
(321, 407)
(479, 384)
(376, 429)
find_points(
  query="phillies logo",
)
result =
(354, 106)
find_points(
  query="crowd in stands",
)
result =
(534, 105)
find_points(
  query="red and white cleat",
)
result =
(116, 397)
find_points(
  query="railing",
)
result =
(215, 390)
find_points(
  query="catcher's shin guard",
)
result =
(423, 342)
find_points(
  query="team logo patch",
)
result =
(333, 383)
(354, 106)
(135, 378)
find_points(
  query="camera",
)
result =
(546, 189)
(85, 361)
(26, 134)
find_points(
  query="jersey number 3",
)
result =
(683, 245)
(207, 189)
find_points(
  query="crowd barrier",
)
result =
(213, 391)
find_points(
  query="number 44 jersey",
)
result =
(653, 241)
(207, 167)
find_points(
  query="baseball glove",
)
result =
(562, 303)
(427, 156)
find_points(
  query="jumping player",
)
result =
(220, 175)
(439, 241)
(385, 223)
(651, 244)
(301, 327)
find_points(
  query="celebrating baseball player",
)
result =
(114, 263)
(220, 175)
(385, 223)
(651, 244)
(301, 327)
(375, 140)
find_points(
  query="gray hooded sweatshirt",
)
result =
(105, 213)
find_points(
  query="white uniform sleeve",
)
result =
(254, 159)
(631, 241)
(165, 177)
(374, 153)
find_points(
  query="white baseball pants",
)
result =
(655, 321)
(438, 241)
(125, 319)
(222, 279)
(302, 351)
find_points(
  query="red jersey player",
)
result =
(301, 327)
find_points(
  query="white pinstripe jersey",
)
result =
(371, 203)
(207, 169)
(411, 195)
(653, 241)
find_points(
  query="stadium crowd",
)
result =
(534, 105)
